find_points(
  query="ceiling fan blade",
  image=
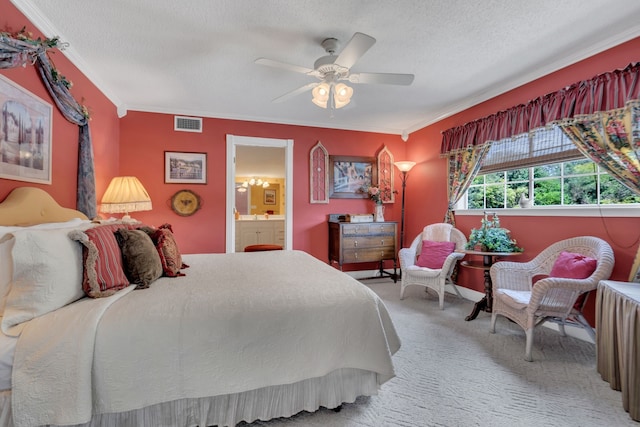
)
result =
(284, 66)
(296, 92)
(357, 46)
(382, 78)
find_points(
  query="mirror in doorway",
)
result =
(256, 200)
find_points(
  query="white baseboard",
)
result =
(472, 295)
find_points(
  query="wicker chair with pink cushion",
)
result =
(552, 286)
(431, 258)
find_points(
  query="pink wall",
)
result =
(145, 137)
(104, 121)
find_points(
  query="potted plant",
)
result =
(490, 237)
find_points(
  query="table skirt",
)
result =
(618, 340)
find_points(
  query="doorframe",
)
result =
(232, 142)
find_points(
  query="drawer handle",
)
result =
(355, 243)
(356, 255)
(382, 242)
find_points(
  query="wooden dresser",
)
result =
(363, 242)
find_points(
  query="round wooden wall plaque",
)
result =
(185, 202)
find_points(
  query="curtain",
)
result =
(612, 140)
(462, 169)
(603, 92)
(20, 50)
(466, 146)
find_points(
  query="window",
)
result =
(546, 168)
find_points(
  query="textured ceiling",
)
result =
(197, 57)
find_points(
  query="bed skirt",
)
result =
(330, 391)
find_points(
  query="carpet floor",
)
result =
(451, 373)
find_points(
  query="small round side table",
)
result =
(488, 258)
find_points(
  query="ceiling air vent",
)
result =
(187, 124)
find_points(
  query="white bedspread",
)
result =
(235, 322)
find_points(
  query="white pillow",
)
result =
(6, 269)
(75, 222)
(47, 275)
(6, 245)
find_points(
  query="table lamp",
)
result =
(125, 194)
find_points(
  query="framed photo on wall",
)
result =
(348, 175)
(25, 134)
(185, 168)
(269, 197)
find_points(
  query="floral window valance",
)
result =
(604, 92)
(20, 49)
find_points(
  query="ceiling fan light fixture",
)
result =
(342, 95)
(331, 95)
(321, 95)
(332, 68)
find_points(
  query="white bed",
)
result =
(241, 337)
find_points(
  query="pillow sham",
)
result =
(141, 261)
(47, 275)
(103, 269)
(6, 268)
(434, 254)
(6, 246)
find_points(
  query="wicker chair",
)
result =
(551, 298)
(411, 274)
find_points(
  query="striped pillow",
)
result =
(103, 268)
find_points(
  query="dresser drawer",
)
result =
(368, 254)
(367, 229)
(356, 242)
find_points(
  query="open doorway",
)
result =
(254, 195)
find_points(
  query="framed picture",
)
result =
(25, 134)
(185, 168)
(269, 197)
(349, 175)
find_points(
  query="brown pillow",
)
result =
(140, 258)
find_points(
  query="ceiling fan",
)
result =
(332, 70)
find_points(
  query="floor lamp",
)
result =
(404, 168)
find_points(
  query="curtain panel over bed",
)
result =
(20, 50)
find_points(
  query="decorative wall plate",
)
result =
(185, 203)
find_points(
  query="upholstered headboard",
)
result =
(29, 205)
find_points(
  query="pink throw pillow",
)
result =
(433, 254)
(574, 266)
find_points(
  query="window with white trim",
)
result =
(542, 168)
